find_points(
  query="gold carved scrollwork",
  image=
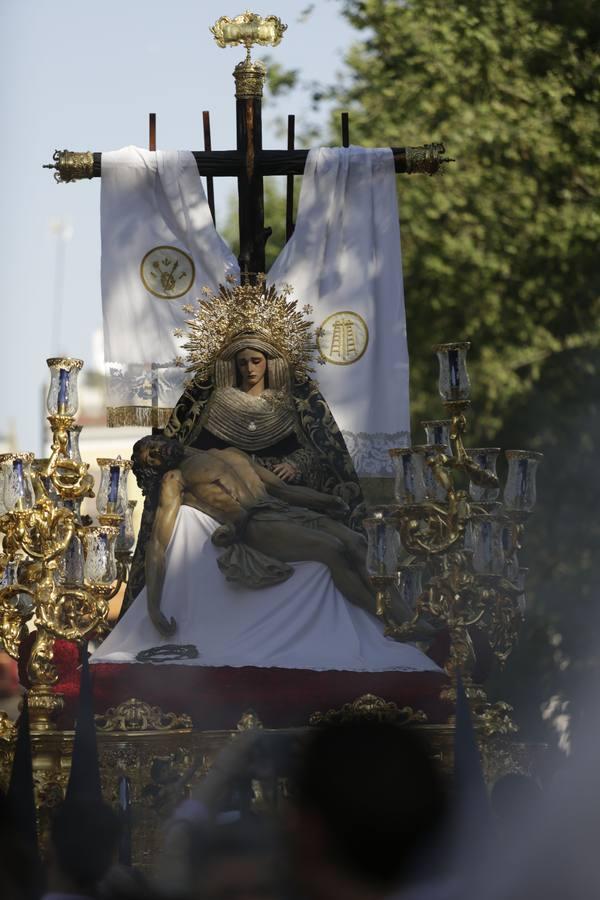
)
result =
(137, 715)
(72, 165)
(249, 79)
(428, 159)
(369, 707)
(249, 721)
(248, 29)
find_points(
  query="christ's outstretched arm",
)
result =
(171, 490)
(301, 496)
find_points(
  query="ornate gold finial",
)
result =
(248, 29)
(71, 165)
(236, 311)
(428, 159)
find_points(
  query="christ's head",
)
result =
(153, 456)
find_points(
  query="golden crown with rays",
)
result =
(223, 319)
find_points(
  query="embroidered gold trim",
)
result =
(142, 416)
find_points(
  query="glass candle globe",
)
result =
(410, 583)
(519, 491)
(383, 547)
(126, 538)
(409, 485)
(73, 451)
(100, 566)
(112, 493)
(454, 384)
(485, 458)
(521, 582)
(18, 488)
(434, 491)
(71, 566)
(4, 458)
(486, 540)
(438, 432)
(63, 398)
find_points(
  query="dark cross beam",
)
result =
(249, 163)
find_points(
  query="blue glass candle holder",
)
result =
(112, 493)
(63, 395)
(454, 385)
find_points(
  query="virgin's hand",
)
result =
(285, 471)
(338, 508)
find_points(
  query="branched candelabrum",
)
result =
(58, 572)
(446, 555)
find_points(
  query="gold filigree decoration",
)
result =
(250, 76)
(248, 309)
(137, 715)
(72, 165)
(249, 721)
(7, 727)
(140, 416)
(370, 707)
(428, 159)
(248, 29)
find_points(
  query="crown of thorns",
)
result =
(235, 310)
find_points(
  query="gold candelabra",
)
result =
(446, 555)
(57, 570)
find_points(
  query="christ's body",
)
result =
(227, 486)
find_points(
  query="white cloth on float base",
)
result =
(304, 623)
(152, 201)
(345, 260)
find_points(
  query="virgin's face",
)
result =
(252, 365)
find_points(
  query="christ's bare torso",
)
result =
(222, 483)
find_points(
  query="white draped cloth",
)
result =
(344, 260)
(159, 248)
(304, 623)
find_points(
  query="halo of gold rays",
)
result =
(219, 318)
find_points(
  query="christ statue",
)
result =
(276, 522)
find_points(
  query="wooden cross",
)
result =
(249, 163)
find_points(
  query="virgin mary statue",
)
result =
(250, 352)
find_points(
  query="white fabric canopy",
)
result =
(304, 623)
(159, 248)
(344, 259)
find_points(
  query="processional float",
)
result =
(446, 541)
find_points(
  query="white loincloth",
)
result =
(304, 623)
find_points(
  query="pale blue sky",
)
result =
(70, 78)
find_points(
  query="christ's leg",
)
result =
(355, 546)
(290, 542)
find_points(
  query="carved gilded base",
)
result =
(44, 706)
(164, 758)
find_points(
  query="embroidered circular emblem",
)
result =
(167, 272)
(343, 338)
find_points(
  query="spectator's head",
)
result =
(83, 842)
(369, 804)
